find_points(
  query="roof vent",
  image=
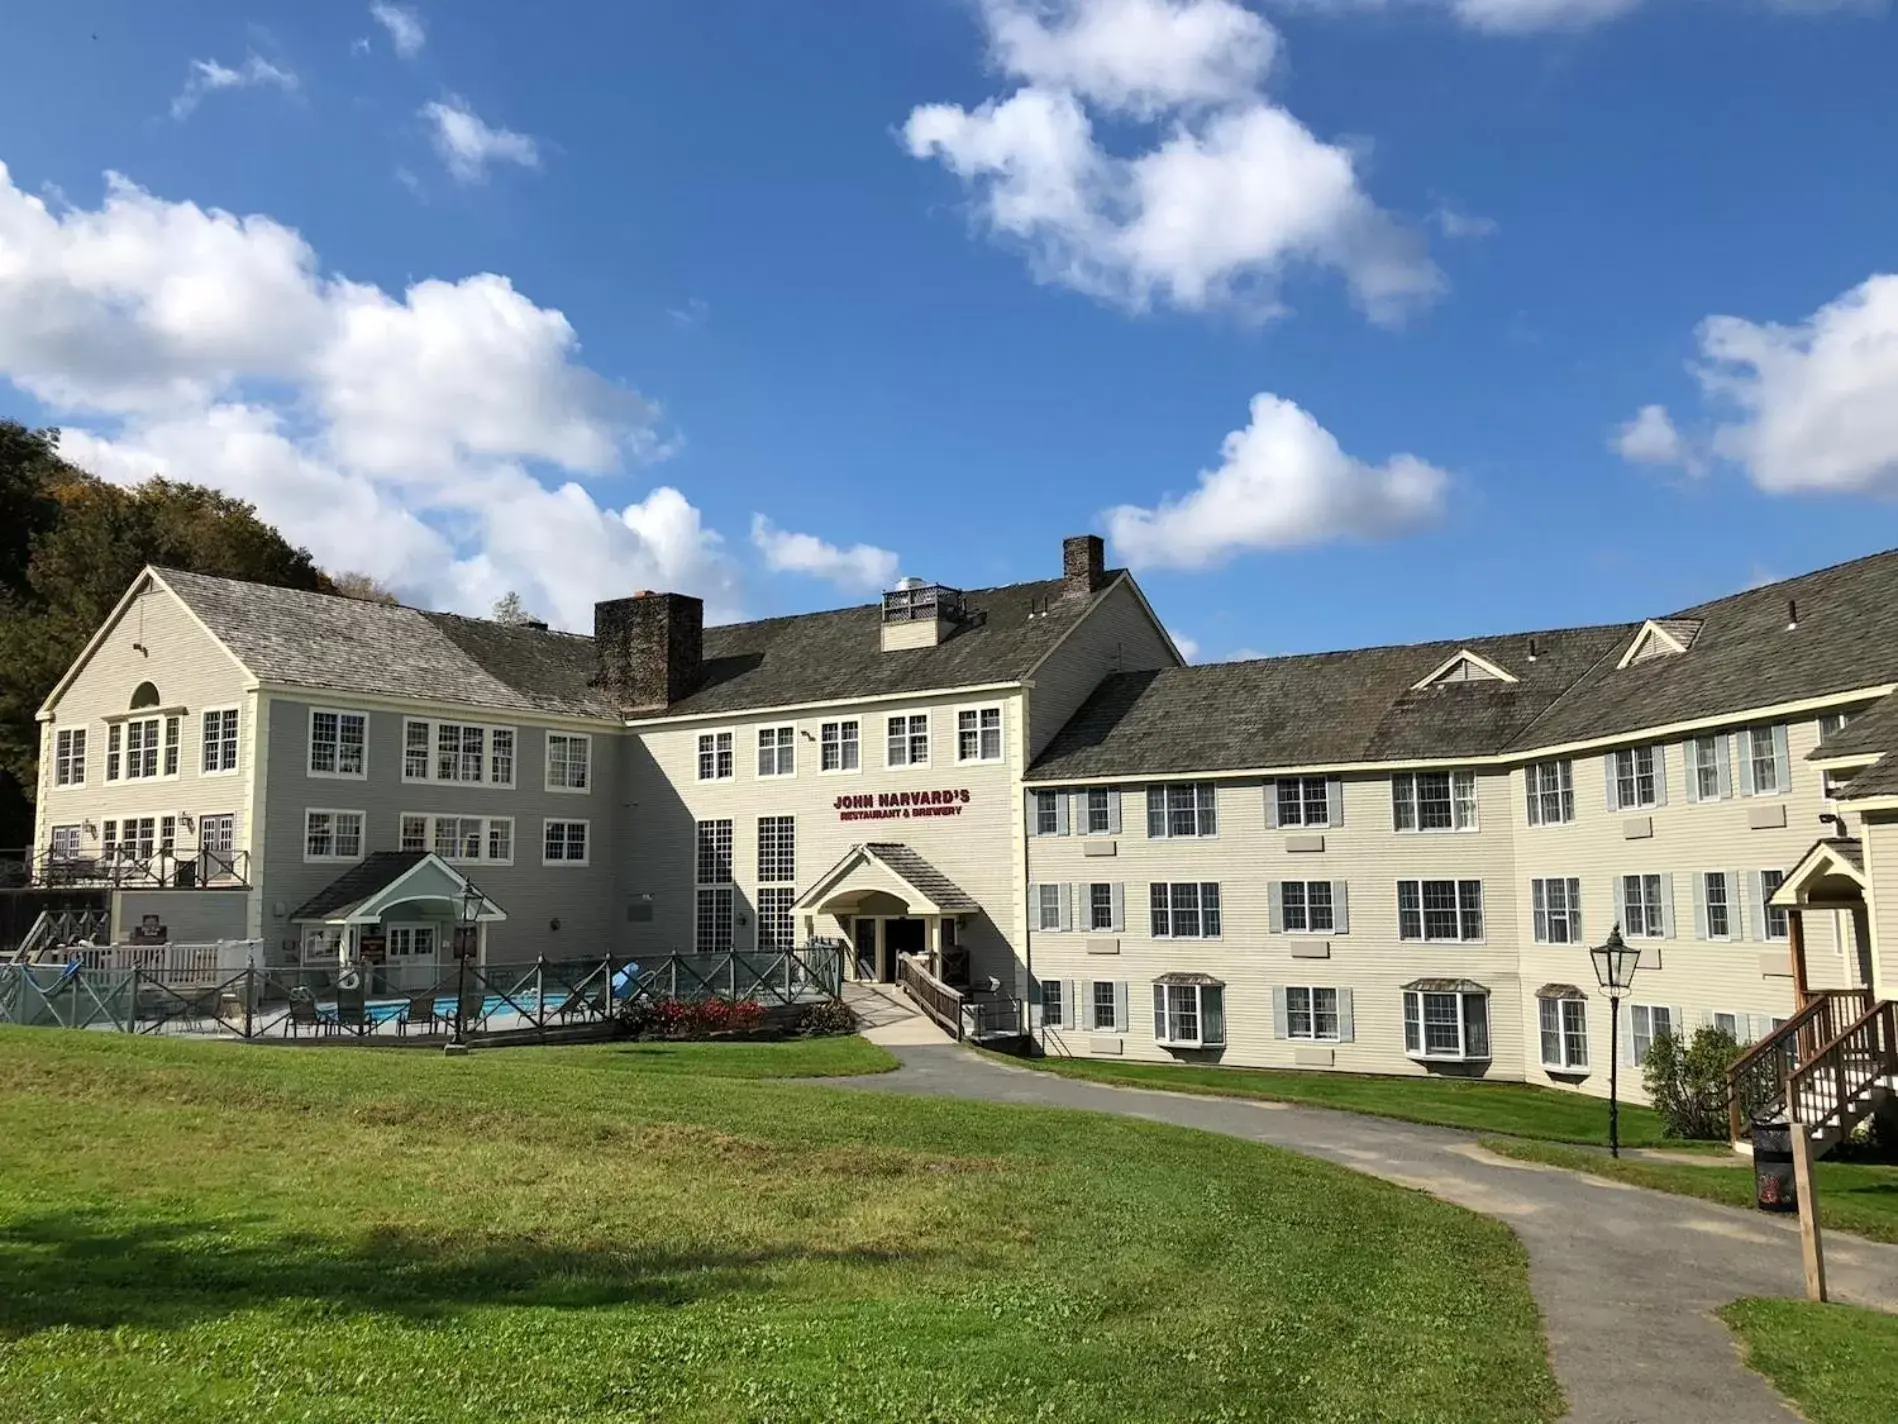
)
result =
(1792, 615)
(1533, 653)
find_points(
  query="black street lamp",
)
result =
(466, 938)
(1615, 964)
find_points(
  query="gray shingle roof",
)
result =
(942, 892)
(1872, 730)
(376, 871)
(1338, 708)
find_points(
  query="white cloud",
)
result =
(1188, 647)
(207, 76)
(1526, 17)
(860, 568)
(1231, 192)
(1652, 439)
(1283, 481)
(1454, 224)
(398, 435)
(468, 146)
(404, 24)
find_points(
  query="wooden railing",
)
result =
(1757, 1081)
(931, 995)
(1823, 1092)
(993, 1018)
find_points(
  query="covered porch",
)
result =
(886, 902)
(396, 918)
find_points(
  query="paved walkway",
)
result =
(1627, 1278)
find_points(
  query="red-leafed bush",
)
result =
(690, 1018)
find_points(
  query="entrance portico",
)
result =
(397, 913)
(887, 901)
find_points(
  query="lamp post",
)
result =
(468, 914)
(1615, 964)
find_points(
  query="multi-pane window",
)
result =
(1644, 908)
(1306, 907)
(712, 931)
(1050, 907)
(1732, 1025)
(1304, 801)
(1184, 910)
(775, 925)
(570, 761)
(338, 742)
(501, 756)
(715, 756)
(1050, 813)
(141, 749)
(906, 740)
(1101, 911)
(1106, 1006)
(1452, 1024)
(65, 842)
(411, 941)
(1775, 920)
(69, 757)
(979, 734)
(459, 838)
(1311, 1013)
(1557, 905)
(1564, 1027)
(167, 834)
(461, 753)
(713, 863)
(1705, 763)
(1184, 808)
(564, 842)
(1716, 891)
(1647, 1022)
(1764, 751)
(1434, 801)
(1051, 1003)
(330, 835)
(1098, 810)
(777, 849)
(417, 738)
(1637, 778)
(1189, 1015)
(1443, 911)
(456, 752)
(777, 751)
(838, 747)
(1551, 793)
(218, 741)
(138, 837)
(114, 740)
(173, 725)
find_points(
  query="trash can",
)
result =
(1773, 1166)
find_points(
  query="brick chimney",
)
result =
(651, 648)
(1083, 565)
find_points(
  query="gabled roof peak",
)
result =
(1466, 666)
(1660, 638)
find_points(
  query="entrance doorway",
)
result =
(863, 934)
(903, 937)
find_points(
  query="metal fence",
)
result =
(195, 994)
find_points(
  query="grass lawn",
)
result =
(1855, 1197)
(1515, 1108)
(219, 1231)
(1839, 1364)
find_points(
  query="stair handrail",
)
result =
(1761, 1074)
(935, 998)
(1835, 1076)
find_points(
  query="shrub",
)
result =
(1686, 1081)
(831, 1018)
(689, 1018)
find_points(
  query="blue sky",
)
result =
(1425, 261)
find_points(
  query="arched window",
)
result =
(145, 695)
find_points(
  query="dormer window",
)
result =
(1465, 666)
(1660, 638)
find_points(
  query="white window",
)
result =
(65, 842)
(1184, 808)
(1103, 911)
(563, 842)
(1100, 811)
(173, 736)
(715, 756)
(979, 734)
(777, 849)
(217, 838)
(1647, 1022)
(470, 839)
(1716, 898)
(1774, 920)
(777, 751)
(1557, 907)
(1306, 907)
(1551, 793)
(218, 742)
(1311, 1013)
(838, 747)
(1732, 1025)
(417, 738)
(1105, 1006)
(1184, 910)
(461, 753)
(712, 864)
(1707, 766)
(459, 837)
(1051, 1003)
(411, 941)
(500, 756)
(114, 739)
(775, 926)
(332, 835)
(1764, 760)
(1189, 1015)
(1448, 1024)
(1434, 801)
(1638, 778)
(167, 834)
(1645, 909)
(339, 743)
(1051, 813)
(712, 928)
(1440, 911)
(907, 740)
(141, 749)
(1050, 910)
(570, 760)
(1304, 801)
(1564, 1025)
(69, 757)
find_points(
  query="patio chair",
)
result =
(352, 1012)
(304, 1014)
(420, 1010)
(583, 1002)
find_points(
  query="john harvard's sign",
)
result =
(901, 805)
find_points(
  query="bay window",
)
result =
(1563, 1020)
(1189, 1011)
(1446, 1020)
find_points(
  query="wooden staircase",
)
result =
(1822, 1070)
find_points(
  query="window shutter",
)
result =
(1762, 1027)
(1034, 821)
(1084, 1005)
(1690, 763)
(1679, 1024)
(1736, 906)
(1724, 750)
(1660, 774)
(1119, 912)
(1278, 1013)
(1531, 806)
(1742, 753)
(1067, 907)
(1340, 907)
(1626, 1046)
(1061, 801)
(1156, 812)
(1034, 905)
(1667, 906)
(1275, 907)
(1608, 776)
(1159, 1012)
(1700, 905)
(1621, 902)
(1758, 897)
(1113, 810)
(1575, 910)
(1120, 1008)
(1347, 1025)
(1334, 799)
(1782, 758)
(1271, 805)
(1539, 911)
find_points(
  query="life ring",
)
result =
(349, 981)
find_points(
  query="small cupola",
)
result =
(919, 614)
